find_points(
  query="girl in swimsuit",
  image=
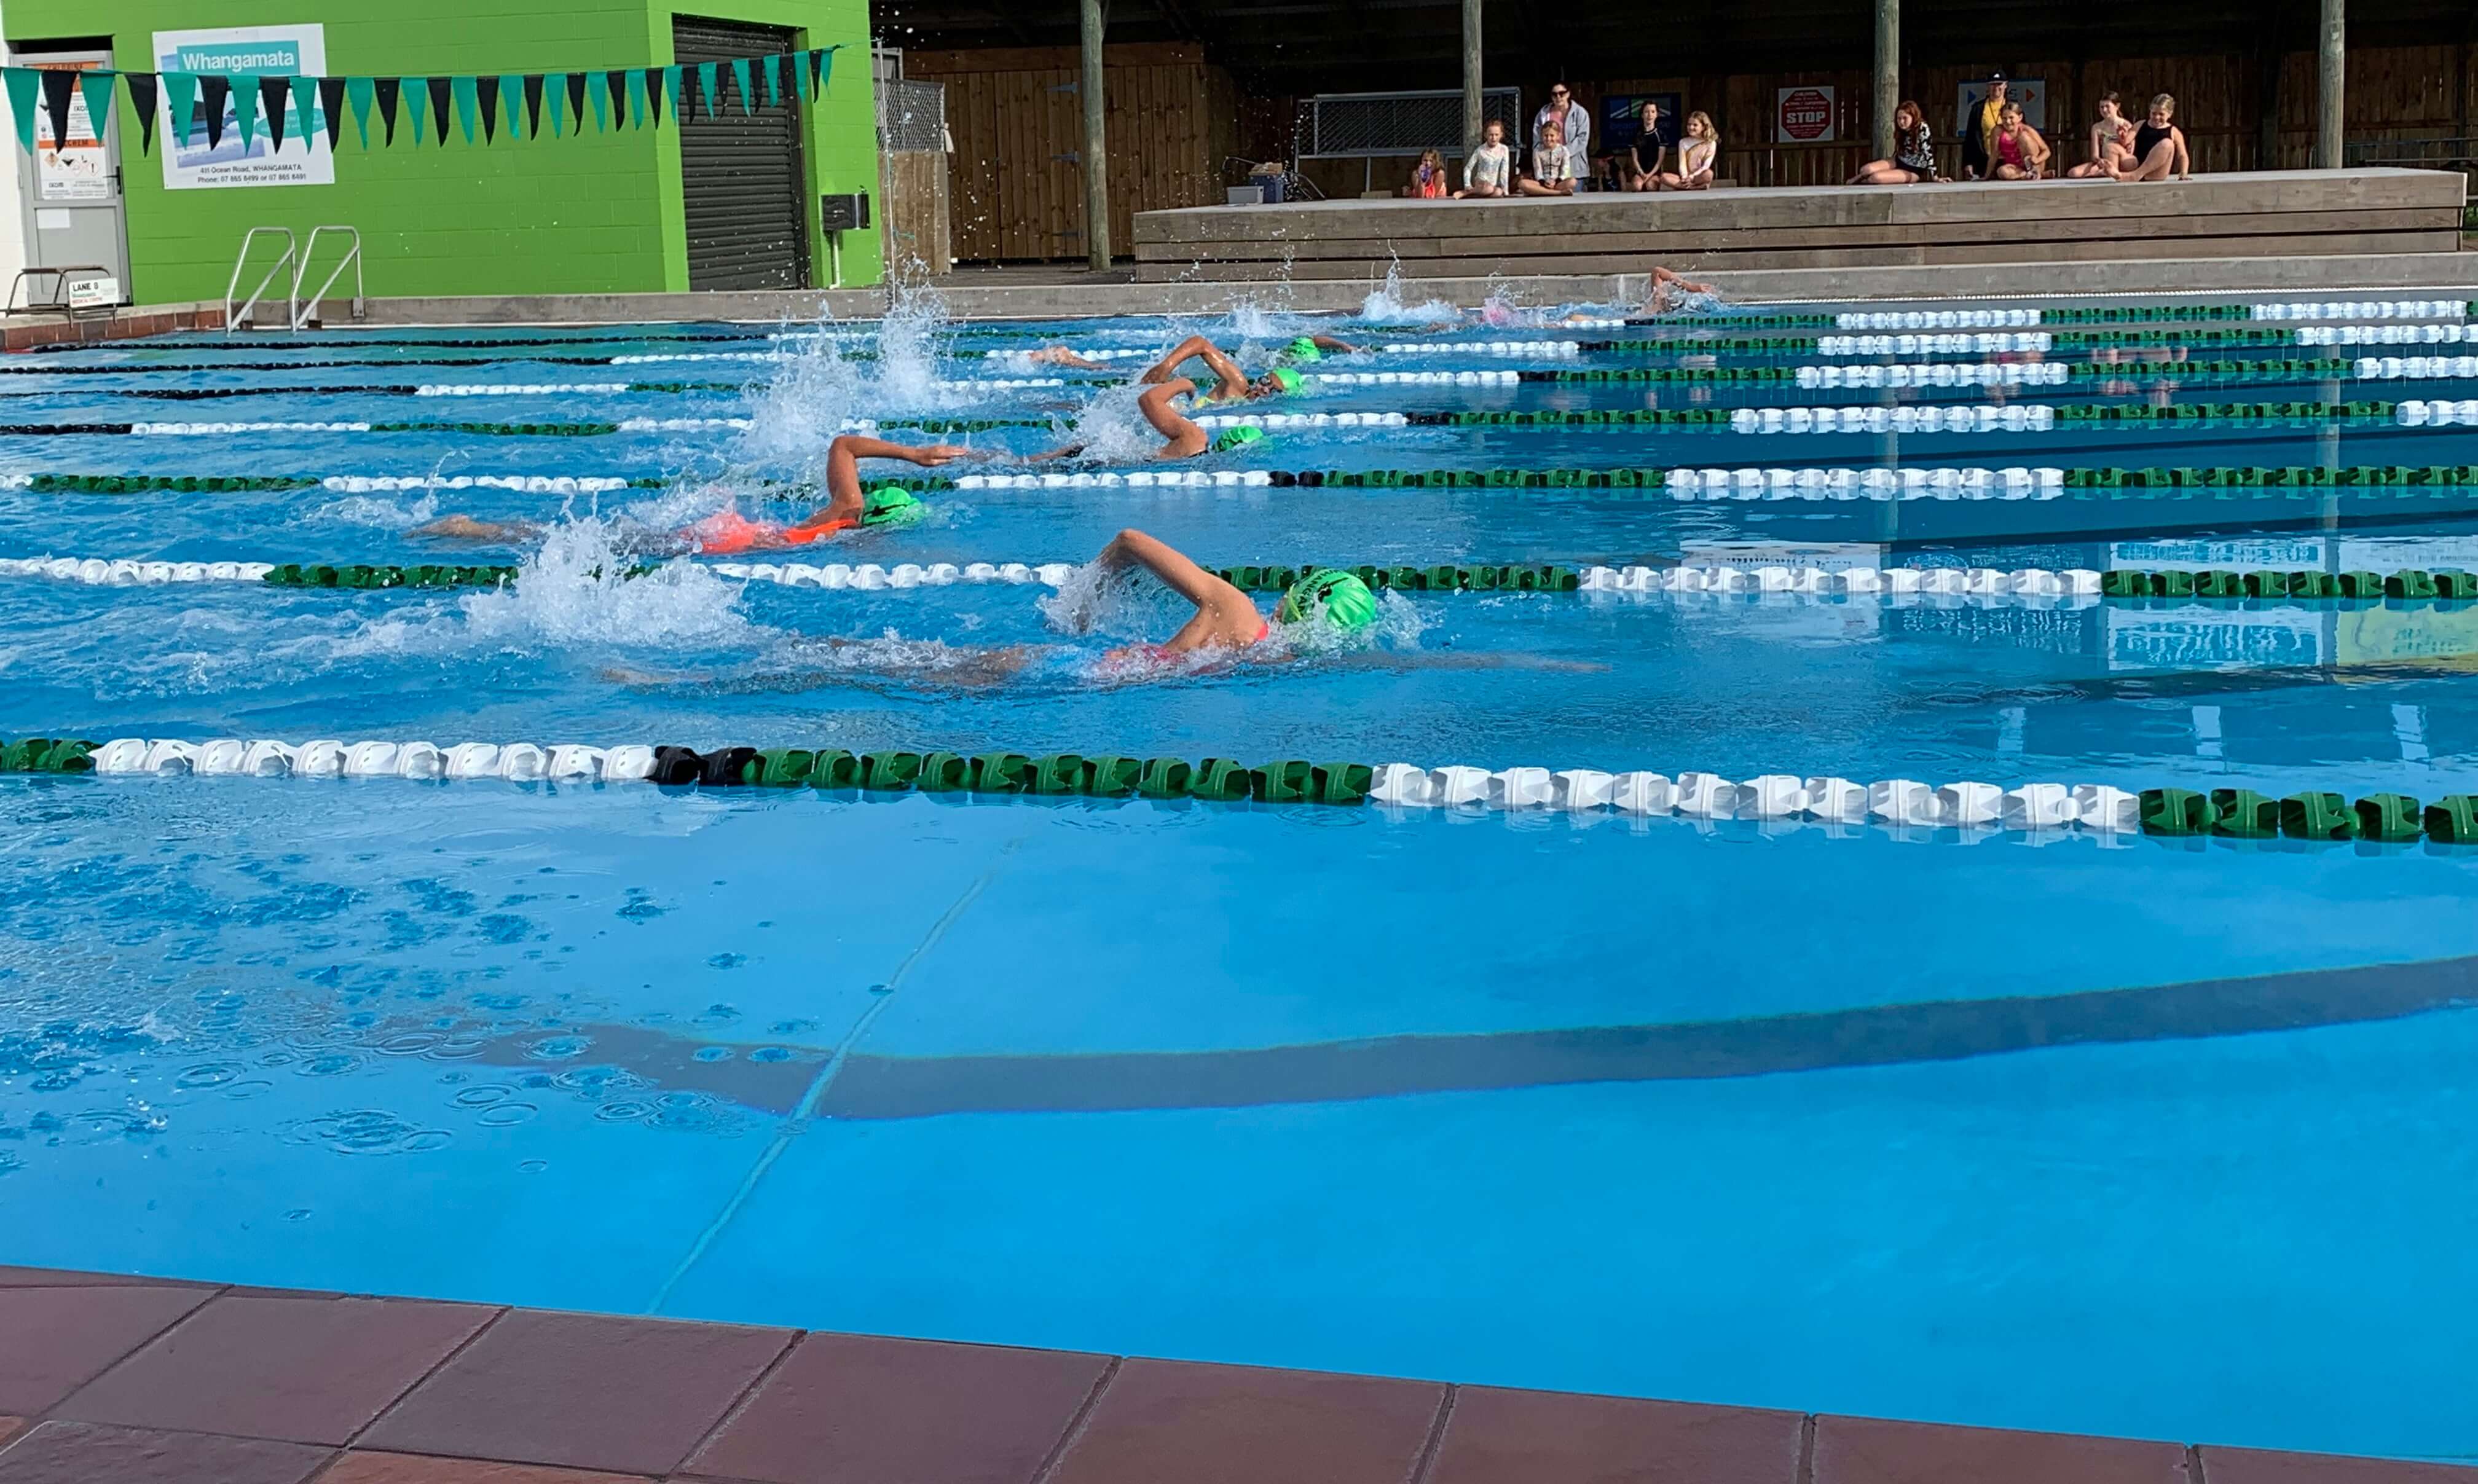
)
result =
(728, 533)
(2105, 146)
(2021, 155)
(2158, 146)
(1698, 153)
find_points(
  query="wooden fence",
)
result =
(1016, 182)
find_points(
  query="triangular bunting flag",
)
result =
(214, 93)
(331, 107)
(780, 79)
(144, 93)
(653, 83)
(533, 86)
(512, 88)
(441, 87)
(468, 94)
(709, 88)
(747, 93)
(60, 86)
(639, 85)
(389, 93)
(23, 83)
(615, 86)
(273, 91)
(817, 73)
(485, 92)
(413, 109)
(244, 105)
(575, 85)
(305, 111)
(96, 84)
(684, 93)
(181, 95)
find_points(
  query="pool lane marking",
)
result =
(804, 1112)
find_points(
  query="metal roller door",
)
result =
(740, 174)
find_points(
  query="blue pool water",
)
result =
(2057, 1132)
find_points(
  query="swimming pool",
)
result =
(1941, 1120)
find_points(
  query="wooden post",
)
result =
(1473, 106)
(1888, 73)
(2330, 78)
(1097, 158)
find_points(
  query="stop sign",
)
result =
(1806, 113)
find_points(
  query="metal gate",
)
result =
(741, 173)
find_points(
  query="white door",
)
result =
(72, 189)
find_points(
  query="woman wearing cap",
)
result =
(728, 533)
(1233, 384)
(1979, 131)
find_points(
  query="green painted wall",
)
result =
(596, 213)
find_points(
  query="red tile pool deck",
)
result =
(139, 1381)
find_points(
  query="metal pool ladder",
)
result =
(297, 256)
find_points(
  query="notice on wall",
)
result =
(193, 164)
(1804, 115)
(74, 168)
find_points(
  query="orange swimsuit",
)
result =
(728, 533)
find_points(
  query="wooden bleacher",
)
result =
(2259, 214)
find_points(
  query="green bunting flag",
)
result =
(636, 95)
(774, 75)
(244, 105)
(611, 98)
(96, 84)
(671, 84)
(181, 94)
(512, 86)
(22, 84)
(305, 109)
(747, 93)
(467, 98)
(413, 88)
(705, 74)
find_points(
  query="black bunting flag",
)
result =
(59, 85)
(274, 92)
(618, 85)
(214, 94)
(817, 73)
(487, 89)
(533, 103)
(440, 88)
(576, 100)
(391, 91)
(688, 93)
(331, 103)
(787, 73)
(142, 90)
(654, 94)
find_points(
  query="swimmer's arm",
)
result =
(1179, 354)
(1176, 570)
(1186, 439)
(842, 471)
(1328, 343)
(464, 528)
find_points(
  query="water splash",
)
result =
(576, 590)
(362, 510)
(796, 416)
(1385, 305)
(1113, 429)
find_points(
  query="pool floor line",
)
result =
(804, 1110)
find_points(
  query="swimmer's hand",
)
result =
(936, 454)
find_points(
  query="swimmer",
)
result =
(728, 533)
(1232, 384)
(1668, 289)
(1181, 438)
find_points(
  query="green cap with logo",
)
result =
(891, 504)
(1333, 595)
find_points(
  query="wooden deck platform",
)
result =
(2256, 215)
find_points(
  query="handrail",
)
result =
(306, 311)
(289, 256)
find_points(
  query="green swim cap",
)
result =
(1302, 349)
(1237, 437)
(1337, 596)
(1288, 379)
(891, 505)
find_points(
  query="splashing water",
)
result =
(575, 592)
(795, 417)
(1384, 305)
(364, 509)
(1113, 429)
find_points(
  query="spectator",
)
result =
(2021, 155)
(2100, 141)
(1489, 171)
(1429, 180)
(1639, 167)
(1553, 169)
(1574, 126)
(1699, 155)
(1913, 157)
(2158, 146)
(1978, 126)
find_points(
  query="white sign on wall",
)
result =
(303, 159)
(72, 169)
(1805, 115)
